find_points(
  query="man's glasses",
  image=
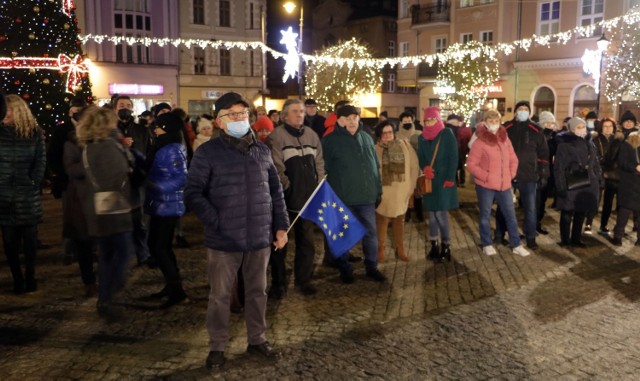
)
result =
(235, 115)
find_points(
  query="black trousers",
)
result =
(303, 231)
(571, 233)
(160, 246)
(85, 251)
(13, 237)
(623, 218)
(610, 192)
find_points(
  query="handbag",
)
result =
(107, 202)
(424, 185)
(577, 176)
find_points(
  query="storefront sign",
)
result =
(135, 89)
(212, 94)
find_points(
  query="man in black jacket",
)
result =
(312, 118)
(533, 169)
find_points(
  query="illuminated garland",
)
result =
(74, 67)
(632, 17)
(622, 69)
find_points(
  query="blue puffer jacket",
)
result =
(165, 182)
(237, 195)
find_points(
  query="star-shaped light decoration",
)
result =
(292, 59)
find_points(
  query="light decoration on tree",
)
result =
(292, 59)
(591, 60)
(468, 75)
(73, 67)
(328, 84)
(622, 69)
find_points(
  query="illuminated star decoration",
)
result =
(292, 59)
(67, 7)
(591, 65)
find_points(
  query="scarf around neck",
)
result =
(392, 162)
(430, 133)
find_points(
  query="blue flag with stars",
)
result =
(339, 225)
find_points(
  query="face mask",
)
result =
(142, 121)
(522, 115)
(581, 133)
(493, 128)
(238, 129)
(124, 114)
(590, 125)
(407, 126)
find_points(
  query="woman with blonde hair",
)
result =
(107, 204)
(22, 165)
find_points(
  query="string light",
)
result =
(622, 69)
(74, 67)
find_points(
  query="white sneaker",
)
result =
(489, 250)
(521, 251)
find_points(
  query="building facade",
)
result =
(550, 77)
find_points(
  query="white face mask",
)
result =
(493, 128)
(522, 115)
(581, 132)
(238, 129)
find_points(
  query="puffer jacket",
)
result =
(492, 160)
(573, 149)
(22, 165)
(236, 193)
(165, 182)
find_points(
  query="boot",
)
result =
(401, 255)
(445, 253)
(382, 224)
(380, 253)
(397, 227)
(434, 253)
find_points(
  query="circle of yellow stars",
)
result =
(345, 217)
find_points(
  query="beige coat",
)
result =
(395, 197)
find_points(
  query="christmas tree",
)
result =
(622, 75)
(41, 57)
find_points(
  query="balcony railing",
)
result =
(421, 14)
(426, 71)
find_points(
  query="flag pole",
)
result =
(307, 203)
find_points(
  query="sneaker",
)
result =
(521, 251)
(542, 230)
(587, 230)
(266, 350)
(376, 275)
(489, 250)
(215, 360)
(604, 231)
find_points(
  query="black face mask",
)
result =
(142, 121)
(124, 114)
(407, 126)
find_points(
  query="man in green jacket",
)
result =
(353, 172)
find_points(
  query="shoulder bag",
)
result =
(109, 202)
(424, 185)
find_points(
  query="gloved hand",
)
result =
(448, 184)
(428, 172)
(378, 200)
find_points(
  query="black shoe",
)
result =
(160, 294)
(564, 243)
(616, 241)
(531, 244)
(175, 300)
(31, 285)
(347, 277)
(215, 360)
(434, 253)
(181, 242)
(307, 289)
(376, 275)
(578, 244)
(445, 253)
(354, 259)
(330, 263)
(18, 287)
(266, 350)
(542, 230)
(150, 262)
(277, 293)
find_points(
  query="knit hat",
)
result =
(145, 114)
(170, 123)
(591, 115)
(456, 117)
(203, 123)
(263, 122)
(547, 117)
(523, 103)
(575, 122)
(228, 100)
(161, 106)
(348, 110)
(628, 115)
(430, 132)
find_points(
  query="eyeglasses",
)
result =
(235, 115)
(387, 133)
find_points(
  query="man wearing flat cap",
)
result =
(353, 171)
(234, 189)
(312, 118)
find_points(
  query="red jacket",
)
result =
(492, 160)
(330, 123)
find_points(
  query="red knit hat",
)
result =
(262, 123)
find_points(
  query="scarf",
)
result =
(430, 133)
(392, 162)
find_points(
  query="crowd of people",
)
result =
(125, 185)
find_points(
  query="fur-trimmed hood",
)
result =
(485, 135)
(634, 139)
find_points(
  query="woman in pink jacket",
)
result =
(493, 164)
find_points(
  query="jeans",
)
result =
(113, 258)
(304, 234)
(13, 237)
(366, 214)
(527, 192)
(439, 226)
(504, 199)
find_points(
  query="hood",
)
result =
(634, 140)
(483, 134)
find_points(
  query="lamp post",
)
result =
(290, 6)
(603, 44)
(263, 15)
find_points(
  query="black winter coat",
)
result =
(531, 149)
(22, 165)
(628, 160)
(235, 190)
(573, 149)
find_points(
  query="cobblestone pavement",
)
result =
(558, 314)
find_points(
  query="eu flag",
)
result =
(339, 225)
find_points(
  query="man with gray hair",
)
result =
(297, 154)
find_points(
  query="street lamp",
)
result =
(290, 6)
(264, 91)
(603, 44)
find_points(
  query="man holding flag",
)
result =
(353, 171)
